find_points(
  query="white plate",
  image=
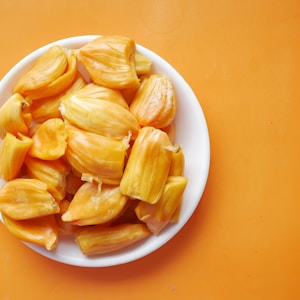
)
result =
(192, 134)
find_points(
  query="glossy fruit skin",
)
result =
(148, 166)
(100, 239)
(110, 61)
(94, 204)
(25, 198)
(41, 231)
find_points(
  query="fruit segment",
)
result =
(13, 149)
(98, 239)
(25, 198)
(158, 215)
(51, 74)
(101, 117)
(95, 91)
(110, 61)
(93, 205)
(49, 140)
(14, 117)
(52, 172)
(148, 166)
(94, 154)
(41, 231)
(142, 64)
(155, 103)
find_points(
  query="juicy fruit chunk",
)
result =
(101, 117)
(142, 64)
(90, 153)
(52, 172)
(52, 73)
(110, 61)
(158, 215)
(95, 91)
(93, 205)
(155, 103)
(13, 116)
(148, 166)
(41, 231)
(178, 162)
(24, 198)
(99, 239)
(49, 140)
(13, 149)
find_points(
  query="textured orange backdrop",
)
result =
(242, 59)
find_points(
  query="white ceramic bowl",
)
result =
(192, 134)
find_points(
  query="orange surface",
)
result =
(242, 59)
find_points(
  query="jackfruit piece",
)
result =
(13, 151)
(94, 154)
(95, 91)
(148, 165)
(41, 231)
(110, 61)
(50, 75)
(100, 239)
(155, 102)
(49, 140)
(142, 64)
(157, 216)
(92, 205)
(14, 117)
(52, 172)
(24, 198)
(101, 117)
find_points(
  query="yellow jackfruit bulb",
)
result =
(99, 239)
(52, 172)
(13, 151)
(94, 154)
(14, 117)
(41, 231)
(24, 198)
(92, 205)
(177, 169)
(176, 215)
(178, 162)
(148, 166)
(101, 117)
(49, 140)
(155, 102)
(51, 74)
(158, 215)
(48, 108)
(110, 61)
(98, 92)
(142, 64)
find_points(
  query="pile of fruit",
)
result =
(88, 148)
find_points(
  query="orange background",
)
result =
(242, 59)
